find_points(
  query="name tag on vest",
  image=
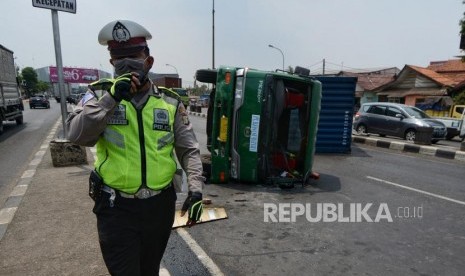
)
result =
(119, 117)
(161, 119)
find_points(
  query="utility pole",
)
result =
(213, 35)
(324, 65)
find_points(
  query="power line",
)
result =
(315, 64)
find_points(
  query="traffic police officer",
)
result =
(137, 128)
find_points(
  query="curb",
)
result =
(411, 148)
(11, 205)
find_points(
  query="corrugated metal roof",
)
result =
(337, 106)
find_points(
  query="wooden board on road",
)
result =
(209, 214)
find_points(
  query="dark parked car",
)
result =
(396, 120)
(73, 98)
(39, 101)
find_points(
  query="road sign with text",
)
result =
(59, 5)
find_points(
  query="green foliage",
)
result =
(459, 98)
(198, 90)
(42, 86)
(29, 76)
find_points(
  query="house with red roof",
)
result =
(454, 69)
(414, 85)
(368, 81)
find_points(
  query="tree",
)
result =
(42, 86)
(29, 76)
(199, 90)
(459, 98)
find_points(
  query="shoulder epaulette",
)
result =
(170, 93)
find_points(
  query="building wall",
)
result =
(410, 100)
(368, 97)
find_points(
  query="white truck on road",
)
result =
(11, 104)
(443, 109)
(454, 121)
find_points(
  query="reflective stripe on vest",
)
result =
(136, 146)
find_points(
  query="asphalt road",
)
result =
(424, 196)
(19, 143)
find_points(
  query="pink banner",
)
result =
(75, 75)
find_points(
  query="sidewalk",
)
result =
(53, 231)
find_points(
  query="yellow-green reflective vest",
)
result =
(136, 147)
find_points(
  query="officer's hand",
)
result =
(125, 87)
(193, 205)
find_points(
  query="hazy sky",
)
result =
(348, 33)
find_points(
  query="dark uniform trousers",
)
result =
(133, 234)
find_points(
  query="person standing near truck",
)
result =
(135, 127)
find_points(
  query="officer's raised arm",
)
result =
(89, 119)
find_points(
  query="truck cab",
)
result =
(443, 109)
(261, 125)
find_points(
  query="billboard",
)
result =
(75, 75)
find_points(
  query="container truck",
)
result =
(11, 104)
(261, 125)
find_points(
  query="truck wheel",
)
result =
(206, 75)
(19, 120)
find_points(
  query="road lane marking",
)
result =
(7, 214)
(35, 161)
(28, 173)
(417, 190)
(40, 153)
(200, 253)
(163, 272)
(19, 190)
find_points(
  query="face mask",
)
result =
(128, 65)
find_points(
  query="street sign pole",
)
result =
(59, 60)
(55, 6)
(64, 153)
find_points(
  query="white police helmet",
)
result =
(122, 36)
